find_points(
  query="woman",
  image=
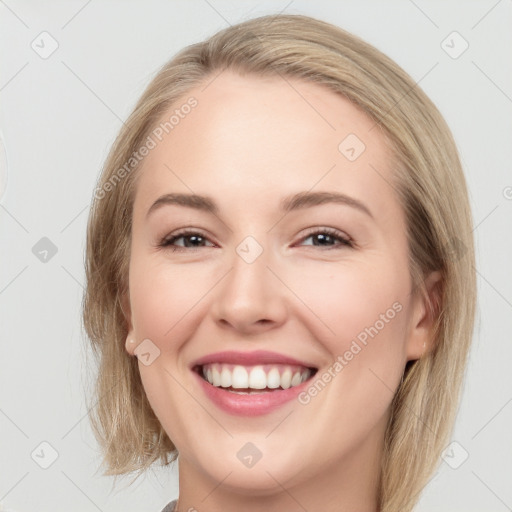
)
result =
(280, 276)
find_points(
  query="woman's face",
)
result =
(259, 296)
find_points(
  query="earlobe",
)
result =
(426, 310)
(130, 344)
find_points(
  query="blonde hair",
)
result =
(431, 187)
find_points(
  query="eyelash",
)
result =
(166, 243)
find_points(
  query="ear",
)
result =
(425, 309)
(130, 342)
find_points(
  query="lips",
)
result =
(251, 383)
(250, 358)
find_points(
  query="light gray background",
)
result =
(59, 116)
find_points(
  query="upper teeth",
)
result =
(255, 377)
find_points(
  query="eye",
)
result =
(194, 237)
(327, 235)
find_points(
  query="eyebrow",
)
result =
(297, 201)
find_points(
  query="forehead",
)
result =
(257, 139)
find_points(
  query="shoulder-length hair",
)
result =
(430, 185)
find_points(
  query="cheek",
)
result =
(357, 301)
(163, 299)
(166, 300)
(363, 313)
(365, 307)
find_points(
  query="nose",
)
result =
(250, 299)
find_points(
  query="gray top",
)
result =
(170, 506)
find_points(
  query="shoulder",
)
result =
(170, 506)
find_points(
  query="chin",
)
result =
(262, 476)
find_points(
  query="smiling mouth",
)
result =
(257, 379)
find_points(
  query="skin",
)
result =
(250, 142)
